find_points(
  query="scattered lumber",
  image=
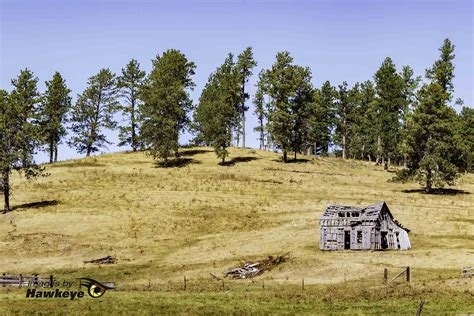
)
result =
(252, 269)
(104, 260)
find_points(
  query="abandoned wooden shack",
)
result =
(369, 228)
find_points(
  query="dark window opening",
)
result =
(359, 237)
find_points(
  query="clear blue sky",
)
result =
(339, 40)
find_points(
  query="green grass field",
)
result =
(198, 217)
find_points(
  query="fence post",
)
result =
(3, 276)
(385, 275)
(263, 284)
(420, 307)
(408, 275)
(51, 280)
(21, 280)
(302, 284)
(184, 283)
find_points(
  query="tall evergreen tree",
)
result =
(434, 151)
(129, 84)
(344, 118)
(367, 119)
(93, 112)
(245, 64)
(56, 104)
(390, 102)
(218, 111)
(259, 102)
(167, 103)
(410, 86)
(290, 91)
(466, 134)
(19, 131)
(322, 118)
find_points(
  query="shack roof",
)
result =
(371, 212)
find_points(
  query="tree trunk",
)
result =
(379, 150)
(385, 164)
(295, 154)
(51, 150)
(6, 190)
(344, 146)
(243, 111)
(243, 126)
(56, 152)
(429, 180)
(285, 156)
(134, 135)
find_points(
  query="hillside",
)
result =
(166, 223)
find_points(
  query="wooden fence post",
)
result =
(385, 275)
(3, 276)
(51, 280)
(302, 284)
(408, 275)
(21, 280)
(184, 283)
(420, 308)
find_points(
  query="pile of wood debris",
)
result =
(104, 260)
(252, 269)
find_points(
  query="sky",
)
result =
(338, 40)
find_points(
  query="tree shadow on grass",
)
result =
(235, 160)
(193, 152)
(290, 161)
(33, 205)
(439, 191)
(176, 163)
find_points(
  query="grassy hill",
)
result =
(198, 217)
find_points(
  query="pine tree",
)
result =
(322, 118)
(291, 94)
(218, 111)
(245, 64)
(409, 90)
(55, 106)
(167, 104)
(259, 102)
(390, 103)
(129, 84)
(433, 150)
(93, 112)
(466, 134)
(367, 118)
(344, 118)
(19, 131)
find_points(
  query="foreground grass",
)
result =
(166, 223)
(351, 298)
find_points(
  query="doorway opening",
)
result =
(347, 240)
(384, 242)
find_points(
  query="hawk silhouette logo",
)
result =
(95, 289)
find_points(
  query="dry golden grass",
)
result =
(163, 223)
